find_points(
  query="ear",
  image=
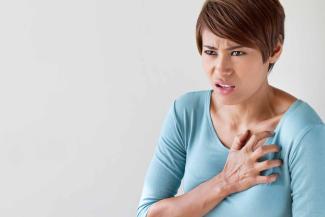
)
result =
(276, 53)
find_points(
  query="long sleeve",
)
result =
(307, 169)
(166, 168)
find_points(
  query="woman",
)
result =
(220, 141)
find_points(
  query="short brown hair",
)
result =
(252, 23)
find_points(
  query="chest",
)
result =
(227, 133)
(206, 158)
(223, 131)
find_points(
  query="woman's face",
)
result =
(227, 62)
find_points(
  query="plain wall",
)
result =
(85, 85)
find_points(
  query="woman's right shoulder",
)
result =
(191, 101)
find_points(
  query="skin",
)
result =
(241, 172)
(243, 120)
(254, 104)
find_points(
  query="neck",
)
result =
(250, 112)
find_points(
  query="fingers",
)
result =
(263, 150)
(268, 164)
(254, 140)
(266, 179)
(240, 140)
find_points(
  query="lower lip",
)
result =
(225, 91)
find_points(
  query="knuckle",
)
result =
(267, 163)
(251, 158)
(264, 134)
(258, 168)
(254, 138)
(268, 133)
(270, 148)
(273, 148)
(237, 137)
(261, 179)
(264, 148)
(237, 140)
(268, 179)
(259, 151)
(278, 162)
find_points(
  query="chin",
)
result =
(225, 100)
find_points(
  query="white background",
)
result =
(85, 85)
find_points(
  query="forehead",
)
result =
(209, 38)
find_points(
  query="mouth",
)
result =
(225, 86)
(225, 89)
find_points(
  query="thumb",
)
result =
(240, 140)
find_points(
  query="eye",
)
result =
(210, 52)
(237, 53)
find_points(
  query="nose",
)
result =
(223, 65)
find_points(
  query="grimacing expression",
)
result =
(225, 60)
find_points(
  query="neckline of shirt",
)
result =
(289, 111)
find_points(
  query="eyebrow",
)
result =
(229, 48)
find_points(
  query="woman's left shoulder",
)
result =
(299, 114)
(283, 99)
(302, 114)
(300, 125)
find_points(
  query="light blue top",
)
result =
(188, 148)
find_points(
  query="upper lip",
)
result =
(224, 83)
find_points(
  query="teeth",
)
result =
(225, 85)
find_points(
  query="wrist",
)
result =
(224, 187)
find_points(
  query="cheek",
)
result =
(207, 65)
(252, 79)
(250, 68)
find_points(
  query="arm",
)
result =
(166, 170)
(164, 176)
(194, 203)
(307, 167)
